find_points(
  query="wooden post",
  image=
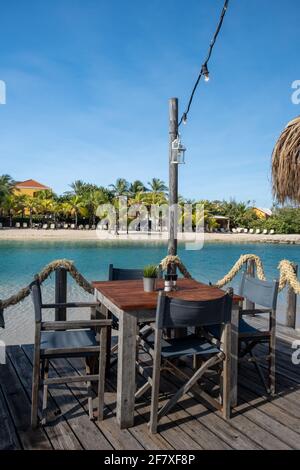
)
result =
(291, 311)
(60, 293)
(173, 180)
(251, 272)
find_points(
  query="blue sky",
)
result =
(88, 83)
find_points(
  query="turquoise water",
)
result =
(19, 261)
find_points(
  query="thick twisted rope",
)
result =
(238, 266)
(175, 260)
(43, 275)
(288, 276)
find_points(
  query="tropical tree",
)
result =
(120, 188)
(137, 187)
(76, 207)
(157, 186)
(7, 185)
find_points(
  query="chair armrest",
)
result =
(255, 311)
(72, 305)
(75, 325)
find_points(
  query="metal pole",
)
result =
(173, 179)
(60, 293)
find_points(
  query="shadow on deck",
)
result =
(257, 423)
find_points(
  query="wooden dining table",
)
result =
(132, 306)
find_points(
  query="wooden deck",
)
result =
(257, 422)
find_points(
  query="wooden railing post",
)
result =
(251, 272)
(60, 293)
(291, 311)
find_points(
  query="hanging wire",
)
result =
(204, 69)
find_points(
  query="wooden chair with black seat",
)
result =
(263, 295)
(66, 339)
(118, 274)
(183, 314)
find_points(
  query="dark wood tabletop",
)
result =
(130, 295)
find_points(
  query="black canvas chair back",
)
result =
(259, 292)
(120, 274)
(263, 294)
(177, 313)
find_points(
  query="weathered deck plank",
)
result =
(258, 422)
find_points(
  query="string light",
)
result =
(204, 69)
(205, 72)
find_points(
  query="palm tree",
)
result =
(92, 200)
(157, 185)
(120, 188)
(31, 206)
(7, 185)
(137, 187)
(76, 207)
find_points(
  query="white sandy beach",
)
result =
(82, 235)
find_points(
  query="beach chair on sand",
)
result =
(272, 231)
(52, 226)
(17, 225)
(251, 230)
(245, 230)
(45, 227)
(25, 225)
(72, 227)
(257, 231)
(233, 230)
(80, 227)
(1, 225)
(66, 226)
(87, 227)
(265, 231)
(93, 227)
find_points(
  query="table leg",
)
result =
(126, 385)
(234, 353)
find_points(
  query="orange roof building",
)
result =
(30, 187)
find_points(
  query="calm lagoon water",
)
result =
(19, 261)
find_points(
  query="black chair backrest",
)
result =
(178, 313)
(259, 292)
(37, 300)
(118, 274)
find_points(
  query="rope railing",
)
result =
(287, 276)
(43, 275)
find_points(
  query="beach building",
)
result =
(30, 187)
(262, 213)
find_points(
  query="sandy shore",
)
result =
(82, 235)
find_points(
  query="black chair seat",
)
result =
(244, 328)
(70, 339)
(187, 346)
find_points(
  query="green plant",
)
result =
(150, 271)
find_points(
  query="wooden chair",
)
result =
(263, 294)
(65, 339)
(118, 274)
(177, 313)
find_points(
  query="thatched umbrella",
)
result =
(286, 164)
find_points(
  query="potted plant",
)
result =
(150, 276)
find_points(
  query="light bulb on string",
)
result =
(205, 72)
